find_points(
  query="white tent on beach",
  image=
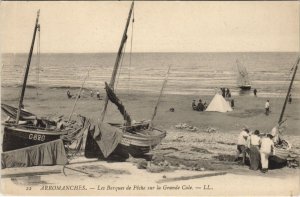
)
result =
(219, 104)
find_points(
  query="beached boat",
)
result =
(24, 129)
(282, 149)
(281, 152)
(21, 136)
(243, 81)
(135, 144)
(135, 139)
(32, 130)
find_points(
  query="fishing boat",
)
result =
(135, 144)
(24, 129)
(130, 138)
(243, 81)
(281, 152)
(283, 147)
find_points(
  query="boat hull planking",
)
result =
(15, 138)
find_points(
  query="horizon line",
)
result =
(157, 52)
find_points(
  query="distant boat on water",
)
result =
(243, 80)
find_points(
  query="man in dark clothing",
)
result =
(254, 91)
(227, 92)
(223, 92)
(232, 103)
(290, 99)
(69, 94)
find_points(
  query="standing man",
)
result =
(290, 99)
(242, 144)
(254, 92)
(223, 92)
(98, 95)
(228, 93)
(267, 107)
(232, 103)
(69, 94)
(266, 148)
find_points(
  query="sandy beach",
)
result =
(186, 152)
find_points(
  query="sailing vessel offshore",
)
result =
(243, 81)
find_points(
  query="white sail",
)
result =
(242, 76)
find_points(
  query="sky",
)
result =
(167, 26)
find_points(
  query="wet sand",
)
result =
(188, 151)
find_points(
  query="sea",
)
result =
(190, 73)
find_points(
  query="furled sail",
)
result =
(12, 112)
(114, 99)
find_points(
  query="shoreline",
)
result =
(150, 92)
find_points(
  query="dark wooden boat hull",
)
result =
(280, 155)
(21, 137)
(245, 87)
(136, 145)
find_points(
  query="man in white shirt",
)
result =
(267, 107)
(98, 95)
(266, 148)
(242, 143)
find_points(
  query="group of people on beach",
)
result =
(200, 106)
(97, 94)
(257, 147)
(226, 92)
(69, 95)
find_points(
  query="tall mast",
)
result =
(36, 27)
(289, 90)
(117, 63)
(159, 97)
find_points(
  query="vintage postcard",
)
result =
(148, 98)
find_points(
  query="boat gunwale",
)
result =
(38, 131)
(146, 137)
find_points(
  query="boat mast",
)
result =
(117, 63)
(159, 97)
(36, 27)
(289, 90)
